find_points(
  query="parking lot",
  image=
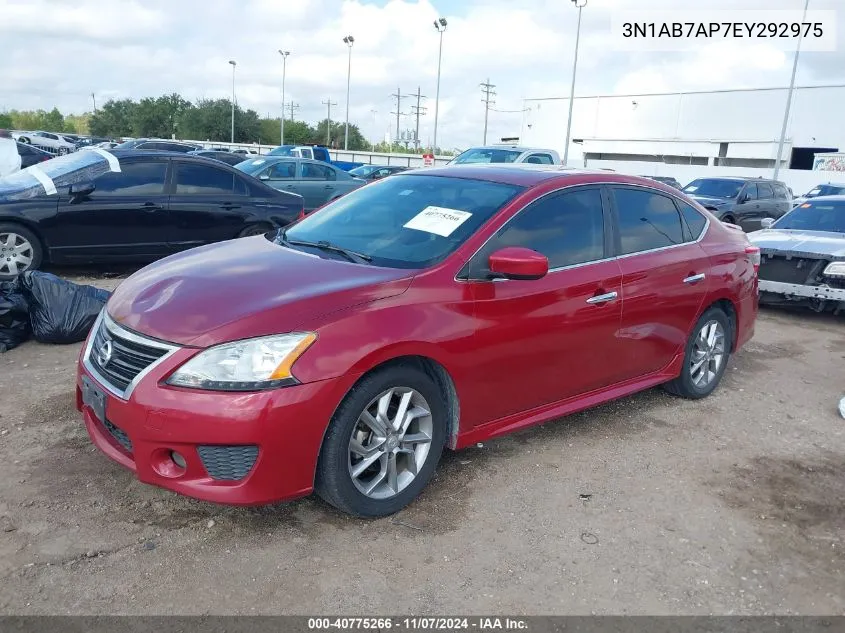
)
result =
(734, 504)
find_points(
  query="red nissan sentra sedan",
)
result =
(432, 309)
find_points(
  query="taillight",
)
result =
(301, 215)
(753, 254)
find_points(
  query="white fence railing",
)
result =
(374, 158)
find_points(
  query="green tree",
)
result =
(114, 119)
(77, 123)
(158, 117)
(337, 135)
(210, 120)
(5, 121)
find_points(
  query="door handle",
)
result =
(694, 279)
(150, 207)
(228, 206)
(608, 296)
(328, 187)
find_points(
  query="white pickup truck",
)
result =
(506, 154)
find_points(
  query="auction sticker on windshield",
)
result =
(438, 220)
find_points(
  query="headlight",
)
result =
(835, 269)
(249, 365)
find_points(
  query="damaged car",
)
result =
(803, 256)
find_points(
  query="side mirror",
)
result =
(766, 223)
(81, 189)
(515, 262)
(264, 177)
(743, 198)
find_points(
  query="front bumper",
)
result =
(262, 447)
(801, 291)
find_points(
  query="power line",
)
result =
(487, 90)
(398, 96)
(329, 103)
(292, 108)
(417, 110)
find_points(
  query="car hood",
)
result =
(705, 200)
(805, 243)
(244, 288)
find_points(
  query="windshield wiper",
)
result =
(352, 256)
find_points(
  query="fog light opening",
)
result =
(178, 459)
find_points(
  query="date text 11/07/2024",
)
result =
(419, 624)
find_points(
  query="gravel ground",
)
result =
(649, 505)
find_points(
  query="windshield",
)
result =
(364, 170)
(714, 188)
(252, 166)
(486, 155)
(282, 150)
(826, 216)
(49, 177)
(406, 221)
(825, 190)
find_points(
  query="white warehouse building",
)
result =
(695, 134)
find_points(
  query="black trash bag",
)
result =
(14, 315)
(61, 311)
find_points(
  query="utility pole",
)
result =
(374, 112)
(417, 111)
(284, 55)
(94, 99)
(789, 97)
(329, 103)
(398, 96)
(292, 107)
(487, 89)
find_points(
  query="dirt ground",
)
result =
(650, 505)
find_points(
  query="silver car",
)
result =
(317, 182)
(802, 255)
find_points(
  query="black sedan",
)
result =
(130, 206)
(224, 157)
(31, 155)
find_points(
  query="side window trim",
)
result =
(465, 272)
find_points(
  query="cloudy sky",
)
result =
(57, 52)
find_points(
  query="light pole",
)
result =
(580, 4)
(375, 125)
(284, 55)
(234, 63)
(789, 95)
(349, 41)
(440, 25)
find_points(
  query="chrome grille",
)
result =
(118, 356)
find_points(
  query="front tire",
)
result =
(706, 356)
(20, 250)
(24, 140)
(383, 443)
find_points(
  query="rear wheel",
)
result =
(729, 219)
(20, 250)
(706, 356)
(383, 443)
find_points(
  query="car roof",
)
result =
(529, 175)
(837, 198)
(123, 154)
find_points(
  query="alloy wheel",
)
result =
(390, 442)
(708, 354)
(16, 254)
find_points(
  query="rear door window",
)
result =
(694, 220)
(764, 191)
(540, 159)
(203, 180)
(313, 171)
(647, 220)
